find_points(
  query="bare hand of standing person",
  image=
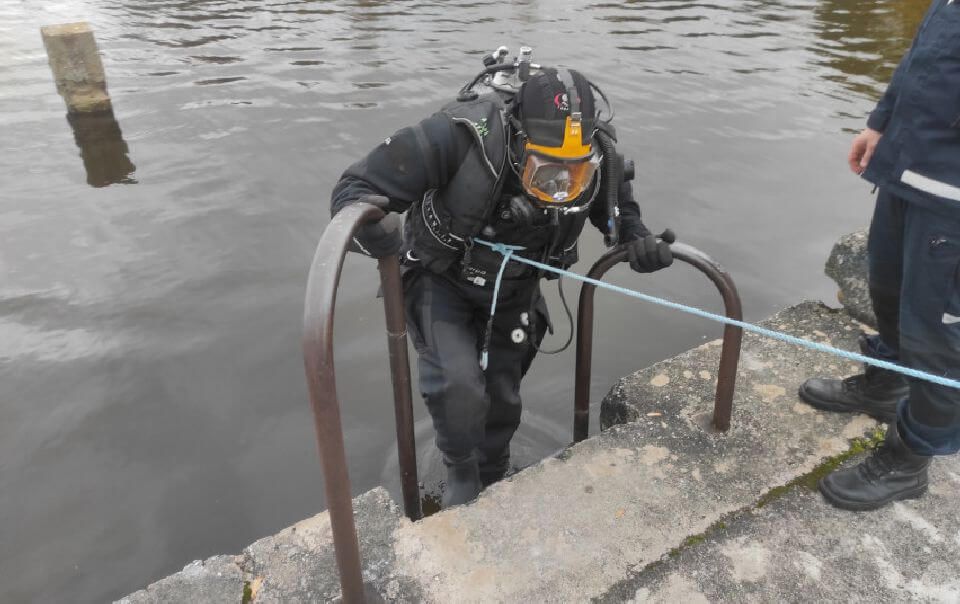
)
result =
(862, 150)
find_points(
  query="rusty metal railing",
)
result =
(729, 355)
(318, 362)
(318, 358)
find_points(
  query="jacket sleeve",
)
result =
(880, 115)
(631, 222)
(405, 166)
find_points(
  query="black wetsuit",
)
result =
(475, 412)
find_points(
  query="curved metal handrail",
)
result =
(321, 381)
(729, 355)
(318, 321)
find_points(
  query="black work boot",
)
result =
(891, 473)
(463, 481)
(875, 392)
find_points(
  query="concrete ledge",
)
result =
(296, 565)
(299, 565)
(799, 550)
(568, 528)
(769, 374)
(214, 580)
(600, 519)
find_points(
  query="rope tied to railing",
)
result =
(508, 253)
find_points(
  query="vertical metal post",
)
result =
(729, 355)
(321, 382)
(400, 372)
(584, 368)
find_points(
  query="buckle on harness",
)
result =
(473, 274)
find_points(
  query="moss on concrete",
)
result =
(699, 538)
(810, 479)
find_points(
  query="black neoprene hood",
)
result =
(546, 102)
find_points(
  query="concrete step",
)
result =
(798, 549)
(597, 520)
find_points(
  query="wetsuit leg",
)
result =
(511, 354)
(442, 323)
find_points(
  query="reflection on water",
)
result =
(104, 152)
(153, 401)
(864, 40)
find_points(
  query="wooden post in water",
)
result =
(75, 62)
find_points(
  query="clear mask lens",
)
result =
(555, 181)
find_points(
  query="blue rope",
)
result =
(507, 251)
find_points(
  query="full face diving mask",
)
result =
(556, 168)
(558, 176)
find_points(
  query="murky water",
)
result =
(152, 400)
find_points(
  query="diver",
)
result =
(525, 163)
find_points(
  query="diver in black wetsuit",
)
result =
(525, 164)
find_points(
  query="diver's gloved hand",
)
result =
(378, 239)
(651, 253)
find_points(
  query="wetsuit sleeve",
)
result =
(405, 166)
(631, 222)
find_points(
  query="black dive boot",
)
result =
(490, 476)
(875, 392)
(891, 473)
(494, 467)
(463, 481)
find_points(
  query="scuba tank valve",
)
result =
(523, 63)
(500, 74)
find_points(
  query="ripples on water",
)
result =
(152, 268)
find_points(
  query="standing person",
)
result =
(526, 164)
(911, 151)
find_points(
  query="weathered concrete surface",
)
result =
(77, 69)
(214, 580)
(847, 266)
(799, 550)
(769, 374)
(295, 565)
(299, 565)
(569, 528)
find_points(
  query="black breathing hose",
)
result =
(611, 174)
(552, 248)
(466, 92)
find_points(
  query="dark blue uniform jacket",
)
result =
(918, 157)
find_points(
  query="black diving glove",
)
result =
(651, 253)
(378, 239)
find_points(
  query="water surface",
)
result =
(152, 267)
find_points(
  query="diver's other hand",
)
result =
(379, 239)
(650, 253)
(864, 144)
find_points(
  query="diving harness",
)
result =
(507, 77)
